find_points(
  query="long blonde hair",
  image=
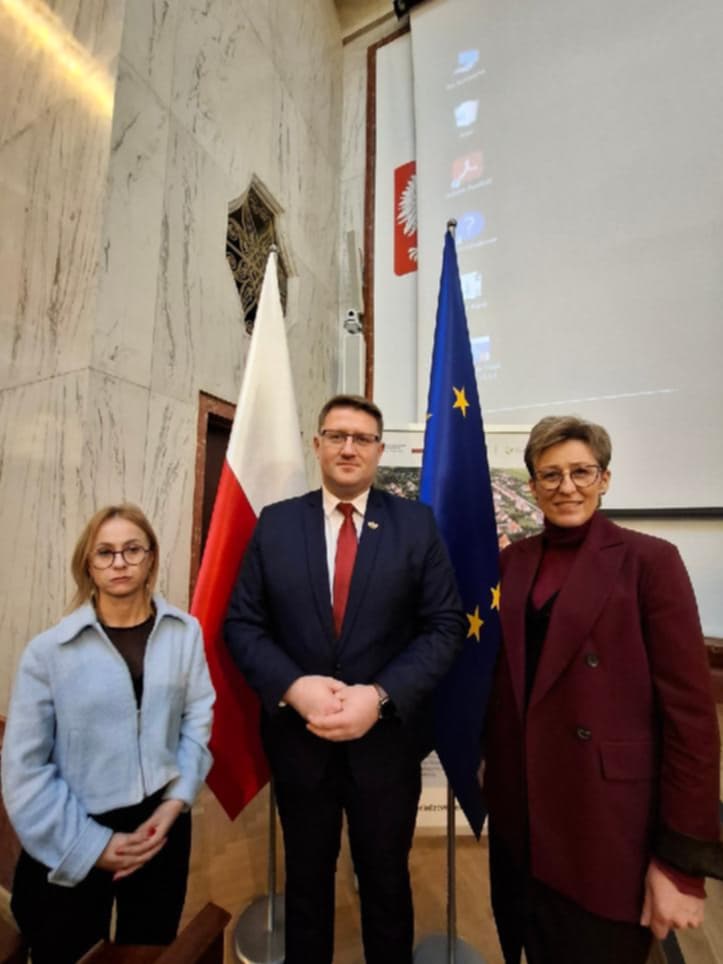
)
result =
(85, 587)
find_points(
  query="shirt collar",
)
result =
(74, 623)
(330, 502)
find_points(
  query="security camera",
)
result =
(352, 322)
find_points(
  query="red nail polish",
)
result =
(152, 832)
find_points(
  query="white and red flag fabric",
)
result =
(405, 218)
(264, 463)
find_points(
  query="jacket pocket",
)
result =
(628, 760)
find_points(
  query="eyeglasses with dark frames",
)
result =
(104, 557)
(359, 440)
(582, 477)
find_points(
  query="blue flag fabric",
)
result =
(456, 483)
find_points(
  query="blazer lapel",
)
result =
(317, 568)
(581, 599)
(370, 539)
(518, 577)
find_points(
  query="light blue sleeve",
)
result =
(50, 821)
(193, 756)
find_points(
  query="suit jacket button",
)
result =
(592, 660)
(337, 667)
(583, 733)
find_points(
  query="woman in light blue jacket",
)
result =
(105, 750)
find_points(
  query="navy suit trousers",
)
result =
(381, 814)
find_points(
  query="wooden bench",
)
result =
(200, 942)
(9, 843)
(12, 946)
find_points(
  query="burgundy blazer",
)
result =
(620, 739)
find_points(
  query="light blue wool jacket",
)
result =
(76, 743)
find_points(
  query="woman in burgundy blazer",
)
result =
(602, 746)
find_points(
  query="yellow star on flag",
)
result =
(475, 623)
(460, 400)
(495, 590)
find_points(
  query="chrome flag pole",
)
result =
(259, 933)
(448, 948)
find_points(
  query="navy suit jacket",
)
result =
(616, 755)
(403, 627)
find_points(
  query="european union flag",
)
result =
(456, 483)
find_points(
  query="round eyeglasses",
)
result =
(582, 477)
(131, 555)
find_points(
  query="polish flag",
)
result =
(264, 463)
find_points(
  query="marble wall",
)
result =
(116, 304)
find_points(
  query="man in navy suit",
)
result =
(344, 618)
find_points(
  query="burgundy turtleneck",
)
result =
(560, 545)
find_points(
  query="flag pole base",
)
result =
(253, 942)
(436, 950)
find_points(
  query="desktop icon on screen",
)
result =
(465, 169)
(471, 282)
(481, 349)
(466, 59)
(465, 114)
(470, 226)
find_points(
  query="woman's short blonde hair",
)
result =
(560, 428)
(85, 587)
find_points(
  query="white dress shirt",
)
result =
(332, 524)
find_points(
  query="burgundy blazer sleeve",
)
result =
(690, 743)
(690, 761)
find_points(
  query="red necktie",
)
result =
(346, 546)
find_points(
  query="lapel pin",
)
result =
(373, 525)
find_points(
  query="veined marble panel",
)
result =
(307, 186)
(149, 37)
(168, 488)
(256, 12)
(68, 445)
(96, 24)
(198, 338)
(313, 333)
(131, 237)
(43, 501)
(34, 78)
(52, 186)
(114, 429)
(307, 52)
(224, 84)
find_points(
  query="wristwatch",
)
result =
(386, 707)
